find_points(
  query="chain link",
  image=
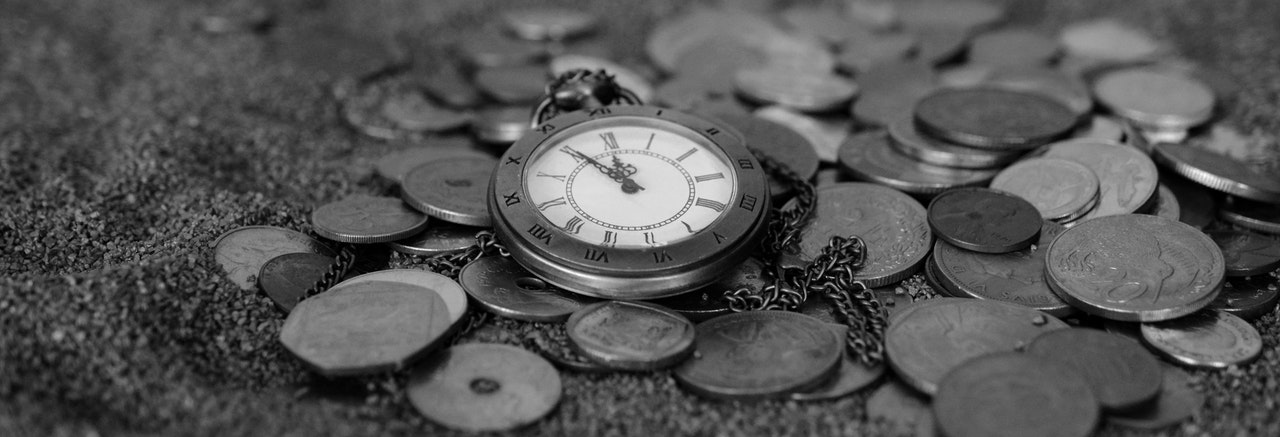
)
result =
(451, 264)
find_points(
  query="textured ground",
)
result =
(129, 141)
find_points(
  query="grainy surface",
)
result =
(129, 141)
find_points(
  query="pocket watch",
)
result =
(629, 202)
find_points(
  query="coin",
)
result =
(1248, 298)
(940, 45)
(1108, 40)
(903, 408)
(412, 111)
(852, 376)
(484, 387)
(1135, 268)
(395, 165)
(1197, 206)
(891, 224)
(776, 141)
(863, 53)
(1122, 375)
(634, 336)
(391, 109)
(825, 134)
(1101, 127)
(512, 84)
(554, 346)
(675, 36)
(802, 91)
(1154, 98)
(760, 354)
(1058, 188)
(1013, 46)
(504, 288)
(241, 252)
(1219, 172)
(439, 238)
(287, 277)
(1246, 253)
(501, 124)
(891, 90)
(486, 48)
(822, 22)
(1176, 402)
(452, 189)
(1206, 339)
(933, 276)
(367, 219)
(547, 23)
(455, 300)
(1052, 83)
(365, 328)
(993, 118)
(1257, 216)
(908, 140)
(929, 338)
(1015, 277)
(709, 302)
(445, 84)
(1127, 178)
(1165, 204)
(626, 77)
(984, 220)
(869, 157)
(1013, 394)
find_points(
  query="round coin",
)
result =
(776, 141)
(1121, 373)
(439, 238)
(1210, 338)
(1165, 204)
(929, 338)
(1154, 98)
(1108, 40)
(1058, 188)
(1052, 83)
(870, 157)
(504, 288)
(1219, 172)
(395, 165)
(1135, 268)
(891, 224)
(367, 219)
(1245, 213)
(853, 376)
(1246, 253)
(708, 302)
(287, 277)
(1012, 47)
(484, 387)
(908, 140)
(630, 335)
(760, 354)
(1013, 394)
(547, 23)
(803, 91)
(1176, 402)
(501, 124)
(1126, 177)
(992, 118)
(412, 111)
(984, 220)
(1016, 277)
(332, 332)
(1248, 298)
(455, 300)
(1197, 206)
(453, 189)
(891, 90)
(241, 252)
(824, 134)
(933, 276)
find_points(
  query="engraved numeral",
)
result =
(540, 233)
(550, 203)
(748, 202)
(610, 238)
(649, 238)
(577, 156)
(511, 199)
(745, 164)
(514, 160)
(709, 177)
(650, 143)
(686, 155)
(599, 111)
(558, 177)
(712, 131)
(687, 227)
(610, 143)
(597, 255)
(661, 257)
(708, 203)
(548, 127)
(719, 238)
(574, 225)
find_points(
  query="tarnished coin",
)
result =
(501, 124)
(1247, 253)
(1059, 188)
(634, 336)
(455, 300)
(439, 237)
(1122, 374)
(504, 288)
(825, 134)
(512, 84)
(930, 338)
(892, 224)
(452, 189)
(486, 48)
(1165, 204)
(1177, 402)
(1013, 46)
(908, 140)
(547, 23)
(1108, 40)
(1206, 339)
(287, 277)
(1248, 298)
(708, 302)
(395, 165)
(852, 376)
(869, 157)
(1154, 98)
(626, 77)
(993, 118)
(760, 354)
(803, 91)
(367, 219)
(1127, 178)
(1135, 268)
(1245, 213)
(484, 387)
(903, 408)
(776, 141)
(1013, 394)
(984, 220)
(890, 91)
(365, 328)
(1015, 277)
(243, 251)
(1220, 172)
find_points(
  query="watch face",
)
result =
(630, 182)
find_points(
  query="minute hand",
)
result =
(619, 172)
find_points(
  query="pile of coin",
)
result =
(1063, 230)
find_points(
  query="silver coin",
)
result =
(1221, 172)
(241, 252)
(485, 387)
(870, 157)
(803, 91)
(1014, 394)
(501, 125)
(1127, 178)
(1015, 277)
(455, 299)
(1134, 267)
(891, 90)
(1165, 204)
(1252, 215)
(1248, 298)
(633, 336)
(863, 53)
(1155, 99)
(504, 288)
(367, 219)
(454, 189)
(1122, 374)
(1013, 47)
(852, 376)
(439, 238)
(908, 140)
(825, 134)
(1247, 253)
(1052, 83)
(778, 142)
(1058, 188)
(993, 118)
(760, 354)
(1109, 40)
(1210, 338)
(395, 165)
(1177, 402)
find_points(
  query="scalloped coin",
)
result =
(485, 387)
